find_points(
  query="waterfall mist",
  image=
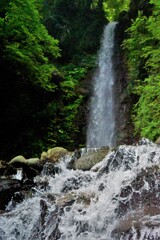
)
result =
(101, 126)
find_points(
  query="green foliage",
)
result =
(26, 42)
(76, 25)
(143, 48)
(27, 79)
(114, 8)
(138, 38)
(147, 118)
(64, 126)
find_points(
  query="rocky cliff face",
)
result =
(123, 100)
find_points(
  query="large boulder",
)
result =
(19, 161)
(158, 141)
(87, 161)
(139, 206)
(54, 154)
(139, 224)
(143, 191)
(31, 167)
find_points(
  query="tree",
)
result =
(26, 42)
(143, 50)
(114, 8)
(77, 24)
(27, 65)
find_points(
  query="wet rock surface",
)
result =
(88, 160)
(143, 191)
(54, 154)
(121, 200)
(138, 206)
(7, 189)
(3, 167)
(76, 183)
(125, 156)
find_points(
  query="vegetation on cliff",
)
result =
(143, 49)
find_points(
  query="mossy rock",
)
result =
(87, 161)
(54, 154)
(19, 161)
(158, 141)
(80, 197)
(66, 199)
(31, 167)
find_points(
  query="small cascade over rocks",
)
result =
(120, 200)
(101, 126)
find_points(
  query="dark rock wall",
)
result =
(123, 100)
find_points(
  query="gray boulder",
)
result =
(87, 161)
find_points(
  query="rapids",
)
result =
(119, 198)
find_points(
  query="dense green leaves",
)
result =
(147, 118)
(76, 24)
(114, 8)
(26, 42)
(27, 66)
(143, 48)
(65, 128)
(138, 37)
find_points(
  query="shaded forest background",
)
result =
(47, 56)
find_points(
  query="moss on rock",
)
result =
(87, 161)
(54, 154)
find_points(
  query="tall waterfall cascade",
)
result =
(101, 126)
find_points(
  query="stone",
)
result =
(136, 220)
(54, 154)
(31, 167)
(87, 161)
(74, 183)
(7, 188)
(3, 167)
(18, 161)
(157, 141)
(135, 194)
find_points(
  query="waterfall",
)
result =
(101, 127)
(118, 198)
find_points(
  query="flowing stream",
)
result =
(119, 200)
(101, 127)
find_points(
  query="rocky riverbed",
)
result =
(94, 193)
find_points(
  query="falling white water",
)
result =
(83, 205)
(101, 127)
